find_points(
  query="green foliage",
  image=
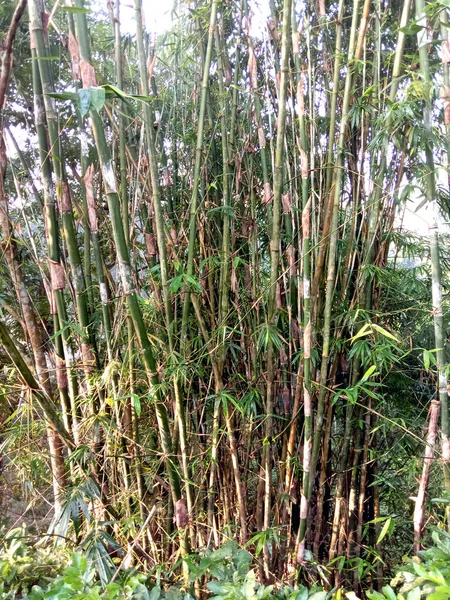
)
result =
(33, 576)
(38, 574)
(224, 564)
(24, 565)
(424, 576)
(79, 581)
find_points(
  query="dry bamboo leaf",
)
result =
(32, 39)
(290, 253)
(238, 169)
(87, 74)
(45, 21)
(75, 55)
(272, 26)
(306, 219)
(447, 113)
(66, 206)
(228, 74)
(261, 137)
(278, 302)
(268, 196)
(321, 8)
(151, 68)
(57, 275)
(252, 69)
(233, 283)
(295, 330)
(286, 202)
(445, 93)
(248, 280)
(181, 513)
(150, 242)
(304, 163)
(61, 374)
(167, 179)
(90, 200)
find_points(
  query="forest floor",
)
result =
(16, 509)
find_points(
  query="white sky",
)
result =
(157, 15)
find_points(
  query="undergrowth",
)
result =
(32, 572)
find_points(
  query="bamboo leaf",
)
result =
(223, 210)
(137, 405)
(385, 333)
(368, 373)
(365, 330)
(318, 596)
(389, 592)
(426, 359)
(84, 98)
(373, 595)
(113, 91)
(412, 28)
(442, 595)
(384, 530)
(74, 10)
(414, 594)
(91, 98)
(64, 96)
(97, 98)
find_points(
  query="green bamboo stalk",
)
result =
(375, 207)
(162, 248)
(197, 168)
(333, 238)
(63, 346)
(275, 240)
(123, 259)
(436, 278)
(236, 79)
(335, 219)
(153, 167)
(445, 427)
(122, 122)
(84, 160)
(62, 188)
(262, 141)
(328, 205)
(224, 282)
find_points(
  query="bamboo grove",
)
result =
(215, 323)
